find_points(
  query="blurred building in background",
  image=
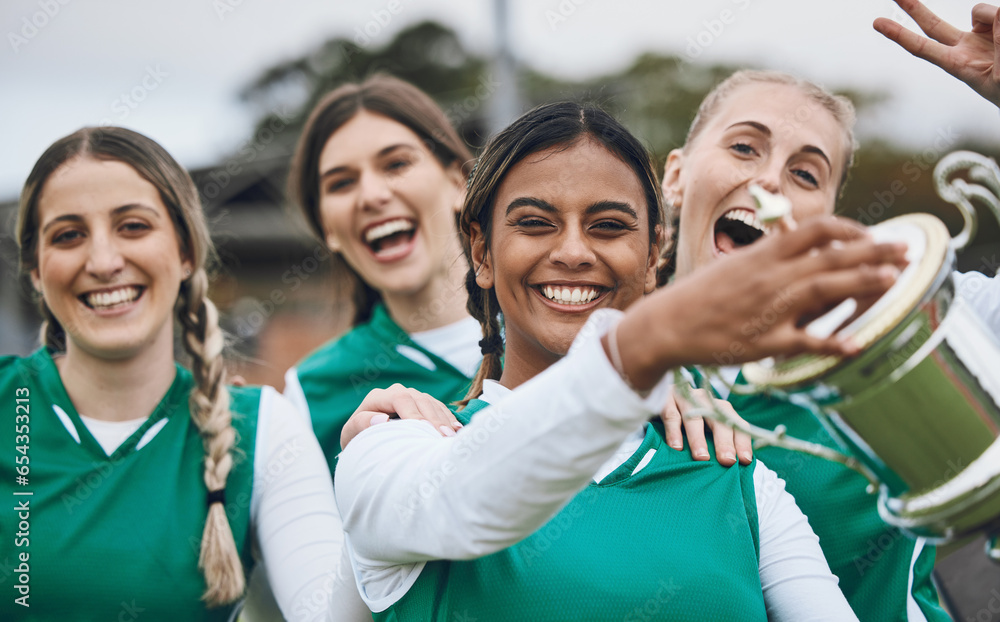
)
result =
(275, 285)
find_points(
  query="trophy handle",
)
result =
(960, 192)
(762, 436)
(993, 547)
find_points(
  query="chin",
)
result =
(558, 344)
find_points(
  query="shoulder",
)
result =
(8, 364)
(10, 370)
(281, 428)
(20, 370)
(246, 399)
(276, 410)
(339, 352)
(465, 415)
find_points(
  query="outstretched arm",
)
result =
(972, 57)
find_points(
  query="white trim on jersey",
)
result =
(150, 433)
(416, 356)
(913, 611)
(67, 422)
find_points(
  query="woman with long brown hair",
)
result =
(379, 175)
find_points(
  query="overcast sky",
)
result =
(69, 63)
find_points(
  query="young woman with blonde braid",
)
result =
(142, 484)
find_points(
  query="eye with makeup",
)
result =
(134, 228)
(612, 226)
(532, 223)
(807, 177)
(66, 237)
(338, 184)
(743, 148)
(398, 165)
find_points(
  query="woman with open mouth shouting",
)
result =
(379, 174)
(793, 138)
(561, 227)
(142, 483)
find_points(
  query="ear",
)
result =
(454, 173)
(672, 185)
(481, 260)
(653, 261)
(332, 242)
(36, 280)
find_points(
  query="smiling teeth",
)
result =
(570, 295)
(104, 300)
(747, 217)
(388, 228)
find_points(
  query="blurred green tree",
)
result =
(656, 96)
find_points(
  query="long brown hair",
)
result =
(391, 97)
(198, 317)
(549, 125)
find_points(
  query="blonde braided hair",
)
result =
(219, 558)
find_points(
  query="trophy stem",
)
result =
(764, 437)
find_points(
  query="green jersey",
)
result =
(660, 538)
(884, 574)
(374, 355)
(89, 536)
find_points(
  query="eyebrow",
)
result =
(115, 212)
(766, 131)
(593, 208)
(382, 153)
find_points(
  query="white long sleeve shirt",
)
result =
(408, 495)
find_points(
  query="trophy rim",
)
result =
(810, 367)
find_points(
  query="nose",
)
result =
(374, 190)
(572, 249)
(104, 259)
(768, 175)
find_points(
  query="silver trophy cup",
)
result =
(920, 406)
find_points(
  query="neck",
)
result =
(118, 389)
(518, 369)
(440, 303)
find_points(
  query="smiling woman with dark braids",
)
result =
(379, 175)
(557, 500)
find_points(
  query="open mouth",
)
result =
(390, 237)
(571, 295)
(737, 228)
(112, 298)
